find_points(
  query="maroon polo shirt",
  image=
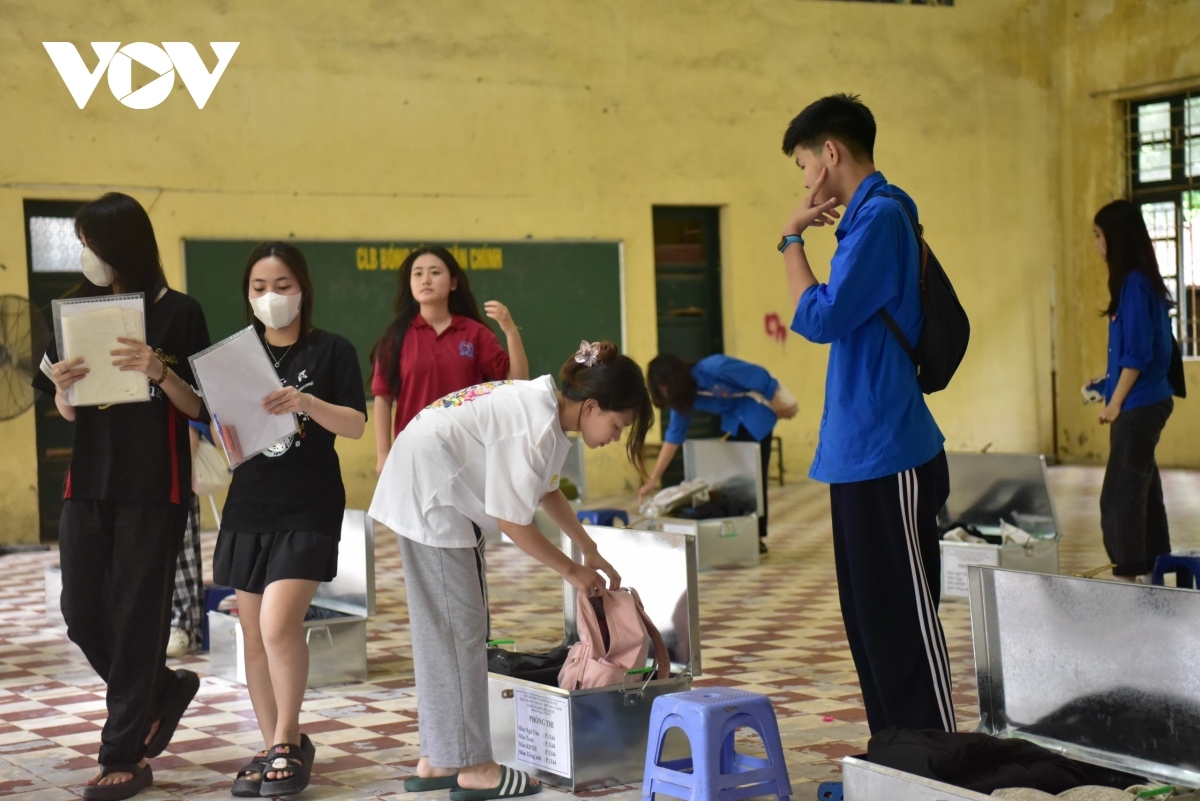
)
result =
(433, 365)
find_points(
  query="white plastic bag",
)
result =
(671, 498)
(210, 474)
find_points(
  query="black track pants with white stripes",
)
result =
(885, 545)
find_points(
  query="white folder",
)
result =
(235, 376)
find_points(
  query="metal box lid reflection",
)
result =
(988, 487)
(662, 567)
(1102, 671)
(352, 591)
(735, 467)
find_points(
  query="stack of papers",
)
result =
(88, 328)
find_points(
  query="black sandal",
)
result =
(243, 785)
(296, 759)
(177, 703)
(143, 777)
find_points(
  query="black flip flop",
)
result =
(415, 784)
(243, 785)
(286, 756)
(177, 703)
(143, 777)
(513, 784)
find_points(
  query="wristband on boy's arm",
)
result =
(790, 239)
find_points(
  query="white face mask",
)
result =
(95, 269)
(276, 311)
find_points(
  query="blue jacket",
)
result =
(726, 378)
(1139, 336)
(875, 421)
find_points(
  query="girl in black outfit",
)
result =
(283, 516)
(126, 498)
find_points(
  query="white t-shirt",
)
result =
(484, 454)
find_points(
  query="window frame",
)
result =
(1171, 190)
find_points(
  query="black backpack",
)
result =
(1175, 371)
(947, 330)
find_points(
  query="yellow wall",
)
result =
(1111, 49)
(557, 119)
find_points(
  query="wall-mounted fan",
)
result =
(23, 339)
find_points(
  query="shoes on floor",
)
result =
(179, 643)
(762, 547)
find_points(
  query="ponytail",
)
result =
(599, 372)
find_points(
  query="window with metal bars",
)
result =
(1163, 178)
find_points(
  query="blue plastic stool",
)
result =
(715, 771)
(601, 517)
(1184, 564)
(830, 791)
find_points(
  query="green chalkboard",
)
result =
(558, 292)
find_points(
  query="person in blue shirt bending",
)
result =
(1137, 392)
(879, 449)
(748, 399)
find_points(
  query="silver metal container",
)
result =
(1073, 665)
(53, 579)
(986, 488)
(337, 642)
(585, 739)
(721, 542)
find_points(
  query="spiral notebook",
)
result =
(88, 328)
(234, 376)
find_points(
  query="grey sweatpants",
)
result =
(448, 621)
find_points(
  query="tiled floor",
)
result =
(775, 630)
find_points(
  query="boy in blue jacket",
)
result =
(880, 450)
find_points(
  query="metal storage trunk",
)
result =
(721, 542)
(586, 739)
(337, 641)
(54, 615)
(986, 488)
(1072, 664)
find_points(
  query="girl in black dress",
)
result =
(283, 515)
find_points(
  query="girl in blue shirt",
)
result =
(747, 398)
(1137, 391)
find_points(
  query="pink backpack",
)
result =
(613, 631)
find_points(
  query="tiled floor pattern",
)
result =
(775, 629)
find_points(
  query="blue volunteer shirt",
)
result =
(724, 380)
(875, 421)
(1139, 336)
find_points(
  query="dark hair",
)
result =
(118, 230)
(1128, 249)
(405, 308)
(295, 261)
(840, 117)
(615, 382)
(672, 385)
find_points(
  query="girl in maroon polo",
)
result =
(436, 344)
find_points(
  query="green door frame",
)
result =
(55, 436)
(688, 303)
